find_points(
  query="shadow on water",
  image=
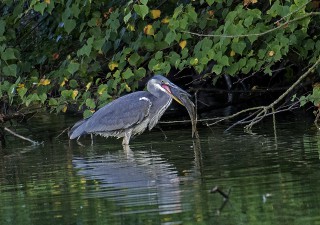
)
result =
(164, 181)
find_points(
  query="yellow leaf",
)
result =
(112, 65)
(232, 53)
(155, 13)
(271, 53)
(64, 109)
(165, 20)
(211, 13)
(88, 86)
(20, 86)
(47, 1)
(148, 30)
(74, 94)
(183, 44)
(131, 27)
(44, 82)
(63, 82)
(248, 2)
(128, 88)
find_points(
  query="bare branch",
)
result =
(22, 137)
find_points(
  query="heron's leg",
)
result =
(126, 138)
(79, 143)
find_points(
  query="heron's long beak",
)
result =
(183, 98)
(175, 92)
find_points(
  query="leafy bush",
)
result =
(56, 52)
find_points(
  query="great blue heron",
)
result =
(131, 114)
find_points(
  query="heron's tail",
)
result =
(78, 129)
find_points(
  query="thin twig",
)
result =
(254, 34)
(316, 119)
(235, 115)
(265, 109)
(274, 125)
(289, 14)
(22, 137)
(62, 132)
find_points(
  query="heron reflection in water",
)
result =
(133, 113)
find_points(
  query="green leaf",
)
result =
(140, 73)
(90, 103)
(210, 2)
(32, 98)
(206, 44)
(170, 37)
(191, 13)
(85, 50)
(73, 84)
(66, 93)
(102, 88)
(127, 74)
(73, 67)
(2, 27)
(238, 47)
(224, 60)
(303, 100)
(43, 97)
(97, 44)
(249, 65)
(177, 11)
(141, 10)
(133, 59)
(8, 54)
(87, 113)
(152, 64)
(127, 17)
(158, 55)
(22, 91)
(217, 69)
(232, 69)
(53, 102)
(10, 70)
(248, 21)
(174, 59)
(183, 23)
(40, 6)
(75, 10)
(69, 25)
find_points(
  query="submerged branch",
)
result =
(22, 137)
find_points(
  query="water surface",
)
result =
(271, 179)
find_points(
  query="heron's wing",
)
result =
(121, 113)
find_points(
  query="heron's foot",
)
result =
(79, 143)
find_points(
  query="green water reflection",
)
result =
(157, 181)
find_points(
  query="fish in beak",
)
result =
(183, 98)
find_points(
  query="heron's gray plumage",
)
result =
(130, 114)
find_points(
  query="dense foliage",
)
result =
(61, 52)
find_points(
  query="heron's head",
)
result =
(159, 85)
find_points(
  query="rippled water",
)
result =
(270, 179)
